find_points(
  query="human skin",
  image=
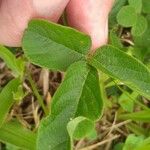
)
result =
(88, 16)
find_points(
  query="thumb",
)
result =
(90, 17)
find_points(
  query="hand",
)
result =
(89, 16)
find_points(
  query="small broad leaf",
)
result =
(13, 133)
(146, 6)
(140, 27)
(145, 145)
(79, 128)
(127, 16)
(143, 40)
(126, 103)
(92, 135)
(137, 4)
(118, 146)
(78, 95)
(54, 46)
(115, 40)
(19, 94)
(120, 65)
(139, 52)
(118, 4)
(7, 99)
(16, 65)
(143, 116)
(132, 142)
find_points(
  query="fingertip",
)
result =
(90, 17)
(50, 9)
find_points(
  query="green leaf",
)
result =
(19, 94)
(115, 40)
(140, 27)
(145, 145)
(132, 142)
(13, 133)
(143, 116)
(146, 6)
(127, 16)
(139, 53)
(54, 46)
(143, 40)
(120, 65)
(7, 99)
(16, 65)
(137, 4)
(118, 146)
(11, 147)
(79, 128)
(78, 95)
(92, 135)
(116, 8)
(126, 103)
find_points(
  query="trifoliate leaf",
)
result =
(54, 46)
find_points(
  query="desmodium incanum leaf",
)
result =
(127, 16)
(54, 46)
(14, 133)
(80, 88)
(79, 127)
(121, 66)
(7, 99)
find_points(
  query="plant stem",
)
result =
(38, 96)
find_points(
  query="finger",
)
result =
(13, 20)
(51, 9)
(15, 15)
(90, 17)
